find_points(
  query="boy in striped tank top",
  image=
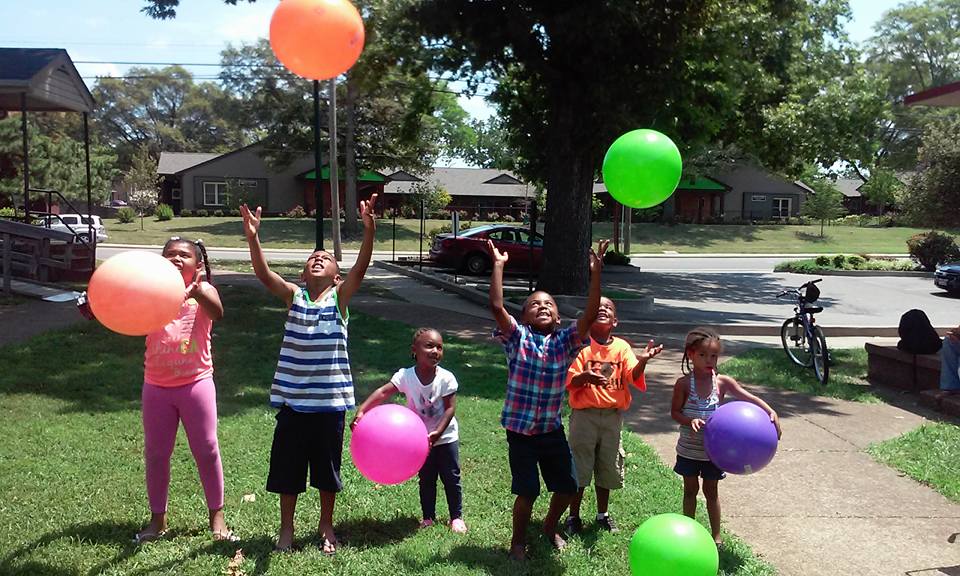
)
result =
(312, 386)
(696, 396)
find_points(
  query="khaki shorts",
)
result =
(597, 451)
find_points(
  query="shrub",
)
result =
(493, 216)
(508, 218)
(186, 213)
(838, 261)
(235, 213)
(7, 212)
(855, 262)
(616, 258)
(164, 212)
(387, 213)
(932, 248)
(297, 212)
(202, 213)
(218, 213)
(823, 261)
(126, 215)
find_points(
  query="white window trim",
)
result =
(758, 198)
(216, 193)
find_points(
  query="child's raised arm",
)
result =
(352, 282)
(500, 314)
(274, 283)
(378, 397)
(593, 297)
(730, 386)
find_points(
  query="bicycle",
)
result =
(802, 339)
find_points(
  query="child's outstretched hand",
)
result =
(596, 258)
(367, 213)
(498, 256)
(433, 437)
(356, 419)
(594, 378)
(697, 424)
(650, 351)
(775, 418)
(194, 288)
(251, 221)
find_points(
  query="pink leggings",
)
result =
(163, 410)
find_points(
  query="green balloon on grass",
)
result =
(673, 545)
(642, 168)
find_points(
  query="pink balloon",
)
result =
(136, 293)
(389, 444)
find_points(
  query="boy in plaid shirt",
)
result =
(538, 354)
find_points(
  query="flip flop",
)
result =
(228, 536)
(328, 548)
(144, 537)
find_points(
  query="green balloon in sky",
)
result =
(642, 168)
(673, 545)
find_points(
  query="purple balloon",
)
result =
(740, 438)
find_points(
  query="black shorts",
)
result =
(553, 455)
(703, 468)
(302, 439)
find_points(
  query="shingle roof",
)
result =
(173, 162)
(468, 182)
(46, 76)
(850, 187)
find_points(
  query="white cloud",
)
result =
(245, 22)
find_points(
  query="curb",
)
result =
(740, 255)
(868, 273)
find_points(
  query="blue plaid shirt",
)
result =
(537, 369)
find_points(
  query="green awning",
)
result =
(364, 176)
(699, 183)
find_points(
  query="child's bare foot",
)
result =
(153, 531)
(556, 540)
(285, 540)
(328, 539)
(518, 552)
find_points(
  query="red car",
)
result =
(468, 250)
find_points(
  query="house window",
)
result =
(175, 194)
(758, 198)
(214, 193)
(248, 183)
(781, 208)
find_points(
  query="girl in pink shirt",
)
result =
(178, 387)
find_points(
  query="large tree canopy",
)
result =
(163, 109)
(698, 70)
(915, 46)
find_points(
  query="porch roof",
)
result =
(48, 78)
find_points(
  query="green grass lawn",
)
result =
(646, 238)
(928, 454)
(71, 471)
(771, 367)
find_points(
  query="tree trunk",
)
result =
(350, 156)
(568, 227)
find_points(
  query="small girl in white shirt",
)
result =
(431, 392)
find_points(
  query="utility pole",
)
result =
(334, 178)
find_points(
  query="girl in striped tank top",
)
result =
(312, 386)
(696, 395)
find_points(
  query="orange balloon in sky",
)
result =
(136, 293)
(317, 39)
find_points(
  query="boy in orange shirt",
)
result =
(598, 382)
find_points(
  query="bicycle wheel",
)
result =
(820, 355)
(795, 342)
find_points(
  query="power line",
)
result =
(221, 65)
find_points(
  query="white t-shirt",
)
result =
(427, 400)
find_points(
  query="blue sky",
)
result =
(116, 31)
